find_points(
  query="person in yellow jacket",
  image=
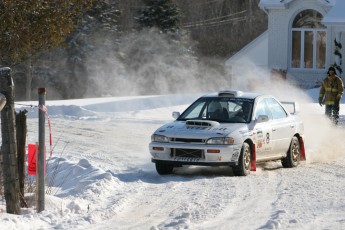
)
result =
(331, 92)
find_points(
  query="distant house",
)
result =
(303, 39)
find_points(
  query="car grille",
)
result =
(187, 140)
(193, 153)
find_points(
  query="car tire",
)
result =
(293, 155)
(243, 167)
(164, 169)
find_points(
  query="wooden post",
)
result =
(9, 144)
(21, 143)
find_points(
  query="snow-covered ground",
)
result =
(101, 177)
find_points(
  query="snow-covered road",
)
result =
(101, 176)
(308, 197)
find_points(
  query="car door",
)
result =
(282, 127)
(263, 131)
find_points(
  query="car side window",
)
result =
(276, 109)
(262, 109)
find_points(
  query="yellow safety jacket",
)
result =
(331, 90)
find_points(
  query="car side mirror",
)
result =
(262, 118)
(175, 115)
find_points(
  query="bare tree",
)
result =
(222, 27)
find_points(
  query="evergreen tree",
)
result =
(88, 48)
(28, 28)
(162, 14)
(31, 26)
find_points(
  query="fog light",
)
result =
(158, 148)
(213, 150)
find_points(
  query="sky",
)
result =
(100, 175)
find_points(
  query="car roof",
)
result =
(234, 93)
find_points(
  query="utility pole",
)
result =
(41, 150)
(250, 15)
(9, 143)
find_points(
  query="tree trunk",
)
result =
(28, 82)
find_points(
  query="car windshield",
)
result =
(221, 109)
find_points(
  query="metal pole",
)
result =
(41, 150)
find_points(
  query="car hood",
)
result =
(199, 128)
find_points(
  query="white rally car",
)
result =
(230, 128)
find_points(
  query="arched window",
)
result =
(308, 41)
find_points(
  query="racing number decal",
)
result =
(267, 138)
(260, 139)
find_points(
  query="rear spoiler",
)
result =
(291, 106)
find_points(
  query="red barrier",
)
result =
(32, 157)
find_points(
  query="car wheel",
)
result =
(293, 155)
(164, 169)
(243, 167)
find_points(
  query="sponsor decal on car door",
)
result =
(263, 142)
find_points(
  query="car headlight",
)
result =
(220, 141)
(159, 138)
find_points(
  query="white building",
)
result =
(303, 39)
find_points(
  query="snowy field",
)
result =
(100, 175)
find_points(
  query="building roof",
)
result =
(274, 4)
(255, 52)
(336, 16)
(283, 4)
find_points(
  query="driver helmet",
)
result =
(214, 106)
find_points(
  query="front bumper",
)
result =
(180, 163)
(194, 154)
